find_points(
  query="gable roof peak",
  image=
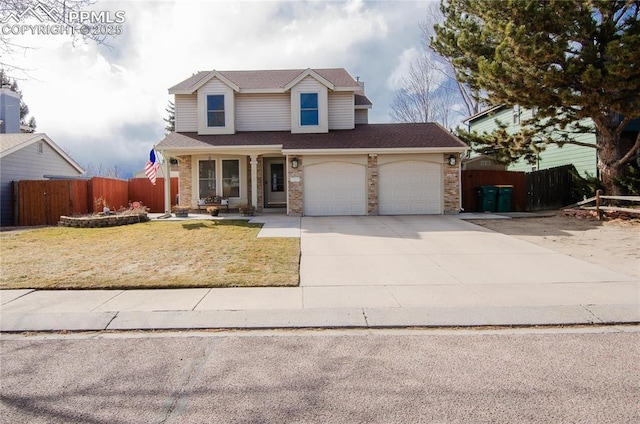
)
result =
(274, 79)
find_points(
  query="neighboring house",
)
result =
(160, 174)
(300, 139)
(583, 158)
(482, 163)
(28, 156)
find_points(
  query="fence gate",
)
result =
(42, 202)
(551, 188)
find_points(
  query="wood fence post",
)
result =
(598, 211)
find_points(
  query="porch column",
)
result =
(254, 180)
(167, 183)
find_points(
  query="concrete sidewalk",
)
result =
(363, 272)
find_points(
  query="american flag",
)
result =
(151, 168)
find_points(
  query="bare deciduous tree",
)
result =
(430, 91)
(414, 101)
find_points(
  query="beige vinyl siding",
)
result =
(361, 116)
(263, 112)
(309, 85)
(341, 111)
(186, 112)
(216, 87)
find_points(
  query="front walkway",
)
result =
(363, 272)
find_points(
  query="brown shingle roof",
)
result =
(270, 79)
(9, 141)
(367, 136)
(362, 100)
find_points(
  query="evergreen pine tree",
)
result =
(573, 60)
(171, 118)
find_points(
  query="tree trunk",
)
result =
(609, 164)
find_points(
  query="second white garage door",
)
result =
(410, 187)
(335, 188)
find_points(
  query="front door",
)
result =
(275, 184)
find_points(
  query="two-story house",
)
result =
(300, 139)
(583, 158)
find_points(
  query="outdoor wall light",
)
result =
(452, 160)
(294, 163)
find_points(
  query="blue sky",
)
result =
(105, 106)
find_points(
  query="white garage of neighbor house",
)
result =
(306, 146)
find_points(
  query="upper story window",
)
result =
(215, 110)
(308, 108)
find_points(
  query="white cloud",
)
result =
(401, 70)
(107, 105)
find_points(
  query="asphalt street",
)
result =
(585, 375)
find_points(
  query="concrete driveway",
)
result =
(443, 261)
(362, 272)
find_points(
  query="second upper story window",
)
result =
(215, 110)
(308, 108)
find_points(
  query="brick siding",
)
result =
(372, 185)
(185, 188)
(451, 181)
(296, 199)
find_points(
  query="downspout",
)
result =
(460, 209)
(167, 183)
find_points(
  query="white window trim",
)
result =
(224, 111)
(229, 108)
(323, 109)
(317, 93)
(218, 160)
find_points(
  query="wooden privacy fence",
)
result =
(473, 179)
(551, 188)
(114, 193)
(42, 202)
(152, 196)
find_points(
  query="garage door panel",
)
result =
(335, 188)
(410, 188)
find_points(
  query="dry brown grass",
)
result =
(148, 255)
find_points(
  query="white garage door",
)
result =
(335, 188)
(410, 188)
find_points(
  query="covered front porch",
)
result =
(257, 178)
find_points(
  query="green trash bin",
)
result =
(486, 201)
(504, 195)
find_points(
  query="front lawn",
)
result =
(147, 255)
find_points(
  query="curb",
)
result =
(509, 316)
